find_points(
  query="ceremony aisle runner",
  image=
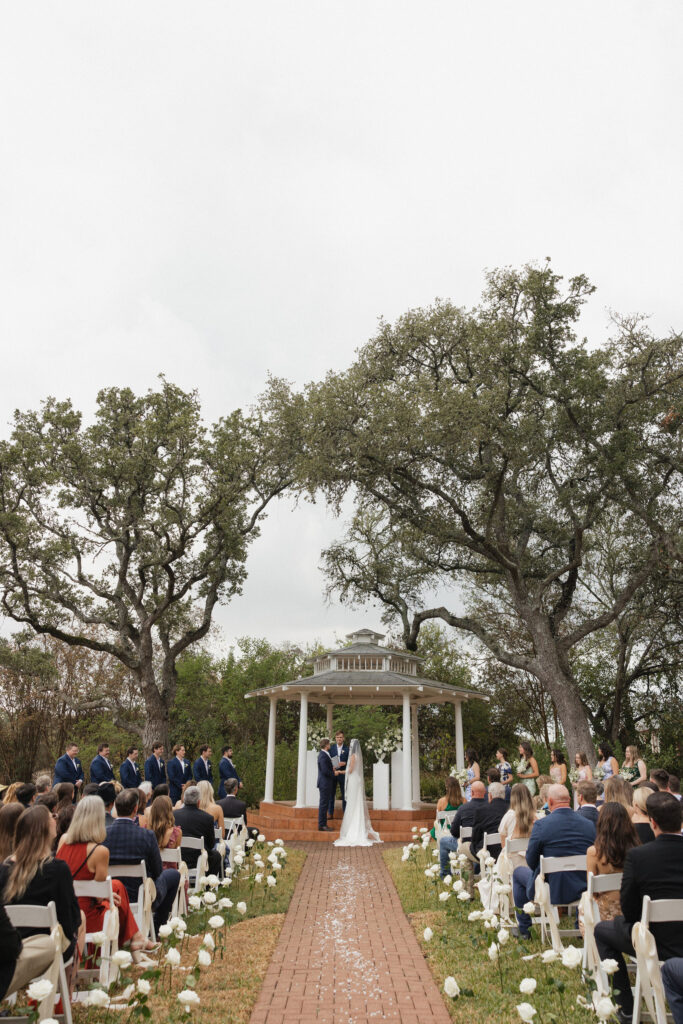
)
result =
(347, 952)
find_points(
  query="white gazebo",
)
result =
(366, 673)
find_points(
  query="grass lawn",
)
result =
(229, 987)
(459, 948)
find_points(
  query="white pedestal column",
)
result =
(459, 743)
(397, 780)
(380, 786)
(312, 791)
(303, 746)
(416, 758)
(330, 709)
(270, 753)
(406, 780)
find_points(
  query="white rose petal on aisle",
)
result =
(451, 988)
(427, 934)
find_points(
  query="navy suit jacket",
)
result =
(178, 775)
(65, 771)
(326, 776)
(589, 812)
(101, 770)
(564, 833)
(226, 770)
(201, 770)
(153, 773)
(130, 775)
(129, 844)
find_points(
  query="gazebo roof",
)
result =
(366, 687)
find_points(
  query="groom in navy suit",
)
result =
(327, 781)
(340, 750)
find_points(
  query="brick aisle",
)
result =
(347, 953)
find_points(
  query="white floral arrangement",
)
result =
(461, 775)
(317, 732)
(598, 773)
(521, 766)
(574, 775)
(381, 746)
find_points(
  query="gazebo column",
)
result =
(459, 742)
(416, 758)
(407, 756)
(270, 752)
(330, 709)
(303, 746)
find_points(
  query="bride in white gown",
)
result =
(356, 829)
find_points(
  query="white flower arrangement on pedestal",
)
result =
(316, 732)
(381, 746)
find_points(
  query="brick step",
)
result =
(269, 824)
(286, 809)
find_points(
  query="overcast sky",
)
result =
(217, 191)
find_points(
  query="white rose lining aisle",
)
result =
(487, 975)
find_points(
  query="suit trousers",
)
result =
(521, 881)
(672, 977)
(447, 844)
(612, 939)
(166, 886)
(339, 779)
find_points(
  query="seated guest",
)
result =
(43, 784)
(129, 844)
(674, 786)
(21, 960)
(168, 834)
(654, 870)
(32, 875)
(492, 775)
(619, 791)
(641, 818)
(69, 768)
(26, 794)
(66, 794)
(155, 769)
(487, 817)
(451, 801)
(202, 769)
(107, 794)
(587, 796)
(233, 807)
(10, 796)
(518, 822)
(131, 777)
(197, 824)
(160, 790)
(101, 768)
(142, 807)
(672, 979)
(600, 786)
(178, 773)
(9, 816)
(541, 800)
(464, 817)
(207, 803)
(63, 819)
(660, 778)
(48, 800)
(90, 789)
(82, 849)
(563, 833)
(615, 835)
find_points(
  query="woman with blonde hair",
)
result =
(11, 794)
(32, 875)
(633, 769)
(518, 822)
(618, 791)
(81, 848)
(208, 803)
(641, 819)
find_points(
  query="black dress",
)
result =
(52, 881)
(645, 833)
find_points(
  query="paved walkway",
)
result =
(347, 953)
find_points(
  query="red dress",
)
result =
(75, 855)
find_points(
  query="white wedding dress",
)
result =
(356, 828)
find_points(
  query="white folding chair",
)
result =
(649, 985)
(196, 873)
(516, 846)
(142, 907)
(549, 917)
(590, 912)
(107, 972)
(233, 825)
(174, 857)
(465, 833)
(39, 918)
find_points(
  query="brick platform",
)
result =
(347, 953)
(283, 820)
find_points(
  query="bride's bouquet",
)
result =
(598, 773)
(461, 775)
(574, 776)
(520, 766)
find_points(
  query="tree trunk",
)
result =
(157, 710)
(554, 674)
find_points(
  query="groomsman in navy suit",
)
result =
(339, 749)
(155, 769)
(131, 776)
(327, 781)
(201, 769)
(227, 770)
(101, 769)
(69, 769)
(179, 772)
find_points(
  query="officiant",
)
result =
(339, 752)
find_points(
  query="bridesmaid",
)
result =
(473, 772)
(505, 770)
(633, 769)
(558, 768)
(607, 761)
(531, 772)
(584, 773)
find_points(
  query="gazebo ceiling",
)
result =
(367, 687)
